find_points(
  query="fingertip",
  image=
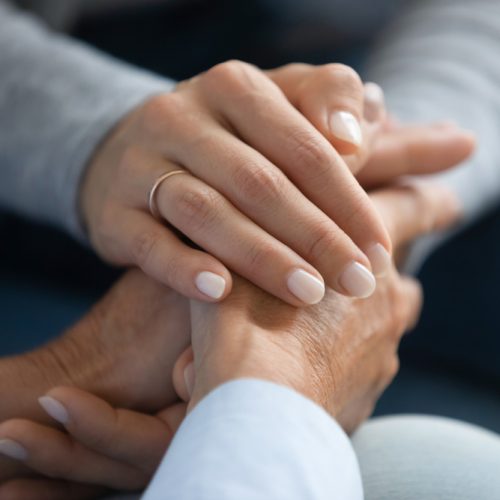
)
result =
(71, 406)
(213, 286)
(380, 259)
(463, 140)
(357, 281)
(346, 132)
(305, 287)
(55, 409)
(374, 103)
(470, 142)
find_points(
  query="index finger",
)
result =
(119, 434)
(259, 112)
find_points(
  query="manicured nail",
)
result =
(211, 284)
(345, 127)
(189, 378)
(55, 409)
(380, 259)
(374, 105)
(358, 281)
(13, 449)
(306, 287)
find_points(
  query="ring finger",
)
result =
(212, 222)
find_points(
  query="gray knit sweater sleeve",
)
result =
(58, 99)
(441, 60)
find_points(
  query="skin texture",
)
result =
(99, 354)
(318, 351)
(269, 192)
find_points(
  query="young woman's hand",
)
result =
(265, 191)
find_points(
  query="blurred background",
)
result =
(450, 363)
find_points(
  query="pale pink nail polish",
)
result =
(306, 287)
(345, 127)
(55, 409)
(12, 449)
(379, 258)
(358, 281)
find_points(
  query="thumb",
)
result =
(183, 375)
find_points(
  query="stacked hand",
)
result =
(269, 196)
(340, 353)
(121, 356)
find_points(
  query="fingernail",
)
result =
(380, 259)
(345, 127)
(55, 409)
(306, 287)
(358, 281)
(189, 378)
(211, 284)
(13, 449)
(374, 102)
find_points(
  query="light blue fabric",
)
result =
(74, 96)
(255, 440)
(427, 458)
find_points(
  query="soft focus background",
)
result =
(450, 364)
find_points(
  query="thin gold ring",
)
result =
(152, 192)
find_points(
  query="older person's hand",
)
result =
(340, 353)
(124, 350)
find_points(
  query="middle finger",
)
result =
(261, 191)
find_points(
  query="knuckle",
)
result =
(310, 152)
(143, 245)
(261, 255)
(162, 110)
(228, 76)
(199, 207)
(357, 209)
(344, 77)
(258, 183)
(322, 242)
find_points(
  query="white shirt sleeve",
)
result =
(441, 60)
(255, 440)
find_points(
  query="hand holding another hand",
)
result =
(269, 196)
(340, 353)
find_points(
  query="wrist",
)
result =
(237, 349)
